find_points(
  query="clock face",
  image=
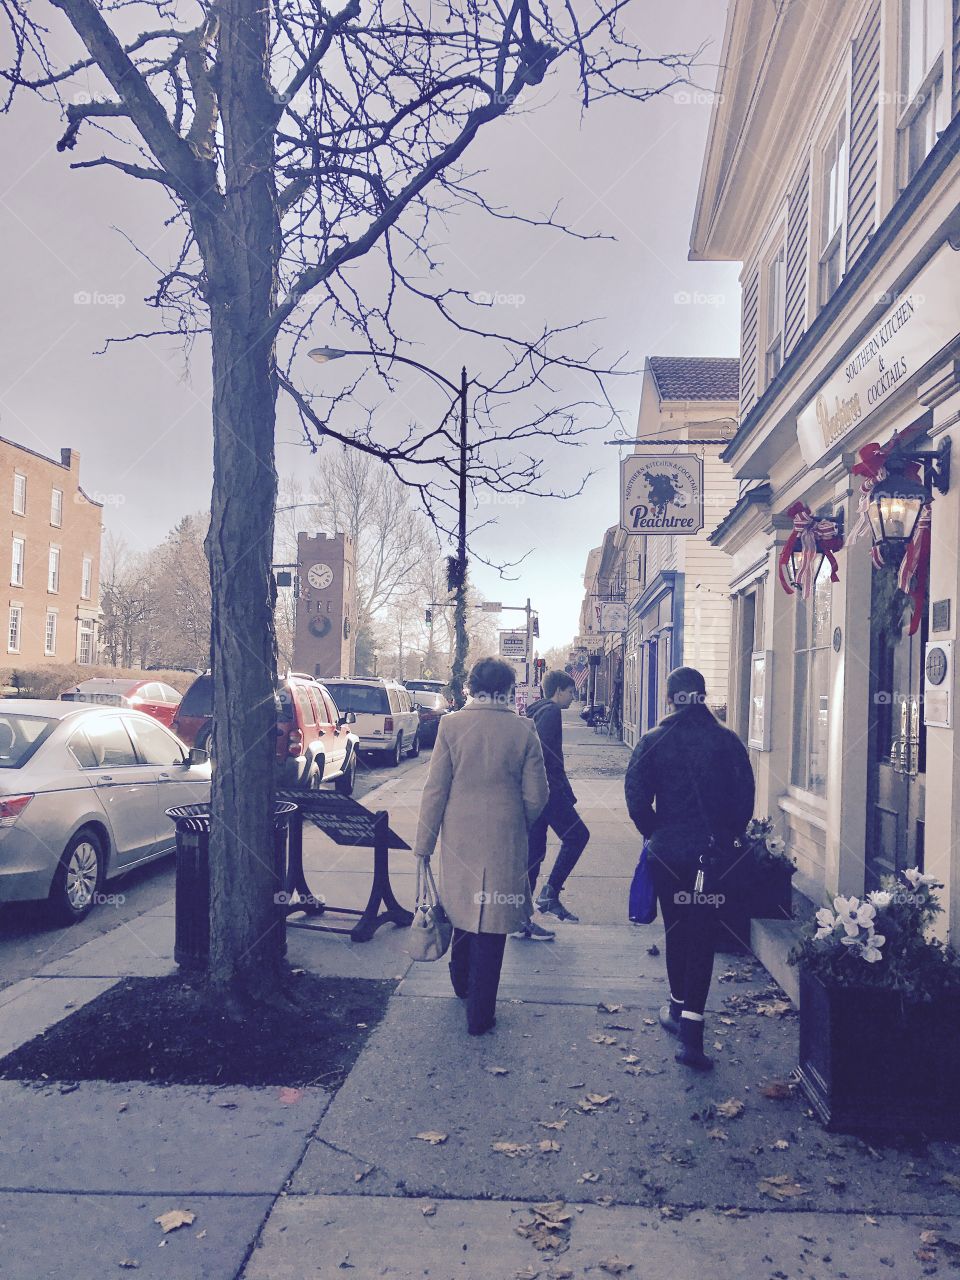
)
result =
(936, 666)
(320, 576)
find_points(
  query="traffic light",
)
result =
(540, 667)
(428, 617)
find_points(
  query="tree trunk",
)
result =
(247, 931)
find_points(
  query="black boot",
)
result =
(691, 1052)
(670, 1016)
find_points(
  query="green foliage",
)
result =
(763, 849)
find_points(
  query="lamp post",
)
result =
(456, 565)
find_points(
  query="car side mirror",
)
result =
(348, 717)
(197, 756)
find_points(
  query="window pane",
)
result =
(56, 506)
(110, 742)
(156, 746)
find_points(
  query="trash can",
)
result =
(191, 948)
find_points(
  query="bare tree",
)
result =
(293, 142)
(127, 600)
(181, 597)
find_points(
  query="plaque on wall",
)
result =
(940, 615)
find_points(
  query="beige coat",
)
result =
(485, 787)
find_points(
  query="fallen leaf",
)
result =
(604, 1201)
(870, 1222)
(781, 1144)
(925, 1255)
(653, 949)
(528, 1273)
(588, 1176)
(129, 1264)
(670, 1211)
(175, 1218)
(559, 1125)
(560, 1273)
(728, 1022)
(733, 1213)
(433, 1138)
(609, 1008)
(718, 1045)
(511, 1149)
(777, 1090)
(548, 1144)
(497, 1071)
(287, 1097)
(599, 1038)
(951, 1180)
(719, 1135)
(730, 1109)
(929, 1237)
(428, 1210)
(615, 1266)
(552, 1211)
(364, 1173)
(630, 1057)
(599, 1099)
(649, 1022)
(780, 1187)
(837, 1183)
(122, 1107)
(775, 1009)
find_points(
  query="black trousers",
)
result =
(574, 834)
(691, 929)
(475, 962)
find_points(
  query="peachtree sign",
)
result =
(661, 495)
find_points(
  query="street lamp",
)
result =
(457, 565)
(897, 501)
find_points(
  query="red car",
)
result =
(152, 696)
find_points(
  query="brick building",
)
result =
(52, 532)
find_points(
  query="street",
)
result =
(28, 941)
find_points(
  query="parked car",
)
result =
(429, 686)
(386, 718)
(152, 696)
(431, 707)
(83, 795)
(314, 740)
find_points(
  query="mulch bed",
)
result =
(162, 1031)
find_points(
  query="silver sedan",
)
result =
(83, 795)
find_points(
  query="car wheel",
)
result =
(77, 878)
(345, 783)
(415, 746)
(393, 758)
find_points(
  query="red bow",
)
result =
(815, 535)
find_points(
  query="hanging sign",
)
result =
(513, 644)
(661, 496)
(613, 616)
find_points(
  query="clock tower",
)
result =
(324, 637)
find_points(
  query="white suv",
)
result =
(387, 720)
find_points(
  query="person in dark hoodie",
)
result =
(561, 814)
(690, 791)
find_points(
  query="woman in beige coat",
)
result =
(486, 786)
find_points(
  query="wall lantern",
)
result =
(813, 539)
(829, 535)
(897, 501)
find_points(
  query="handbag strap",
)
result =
(427, 891)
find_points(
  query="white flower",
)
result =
(854, 915)
(917, 878)
(880, 898)
(826, 922)
(775, 845)
(869, 947)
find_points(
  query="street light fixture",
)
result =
(457, 567)
(897, 501)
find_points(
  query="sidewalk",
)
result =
(574, 1098)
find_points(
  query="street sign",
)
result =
(661, 497)
(492, 606)
(513, 644)
(613, 615)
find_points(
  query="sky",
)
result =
(78, 252)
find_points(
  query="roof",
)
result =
(696, 377)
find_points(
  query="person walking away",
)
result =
(485, 788)
(690, 791)
(561, 813)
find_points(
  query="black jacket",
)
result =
(548, 718)
(687, 779)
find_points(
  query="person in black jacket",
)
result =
(560, 814)
(690, 791)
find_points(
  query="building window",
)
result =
(833, 210)
(53, 570)
(85, 642)
(811, 687)
(775, 288)
(921, 81)
(13, 631)
(50, 634)
(16, 562)
(56, 507)
(19, 494)
(86, 578)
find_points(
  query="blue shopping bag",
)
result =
(643, 898)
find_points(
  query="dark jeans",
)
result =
(475, 960)
(691, 929)
(562, 816)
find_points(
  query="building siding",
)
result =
(748, 343)
(956, 57)
(864, 135)
(798, 240)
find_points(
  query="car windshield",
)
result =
(198, 700)
(20, 736)
(429, 701)
(369, 699)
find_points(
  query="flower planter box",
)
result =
(869, 1062)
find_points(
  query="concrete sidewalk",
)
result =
(575, 1097)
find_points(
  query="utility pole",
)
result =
(461, 640)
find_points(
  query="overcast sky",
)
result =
(139, 415)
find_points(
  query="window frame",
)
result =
(53, 574)
(86, 578)
(802, 780)
(22, 509)
(774, 311)
(832, 244)
(932, 84)
(85, 629)
(15, 609)
(56, 508)
(16, 581)
(50, 649)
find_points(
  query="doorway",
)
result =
(897, 738)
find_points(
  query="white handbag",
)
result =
(431, 931)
